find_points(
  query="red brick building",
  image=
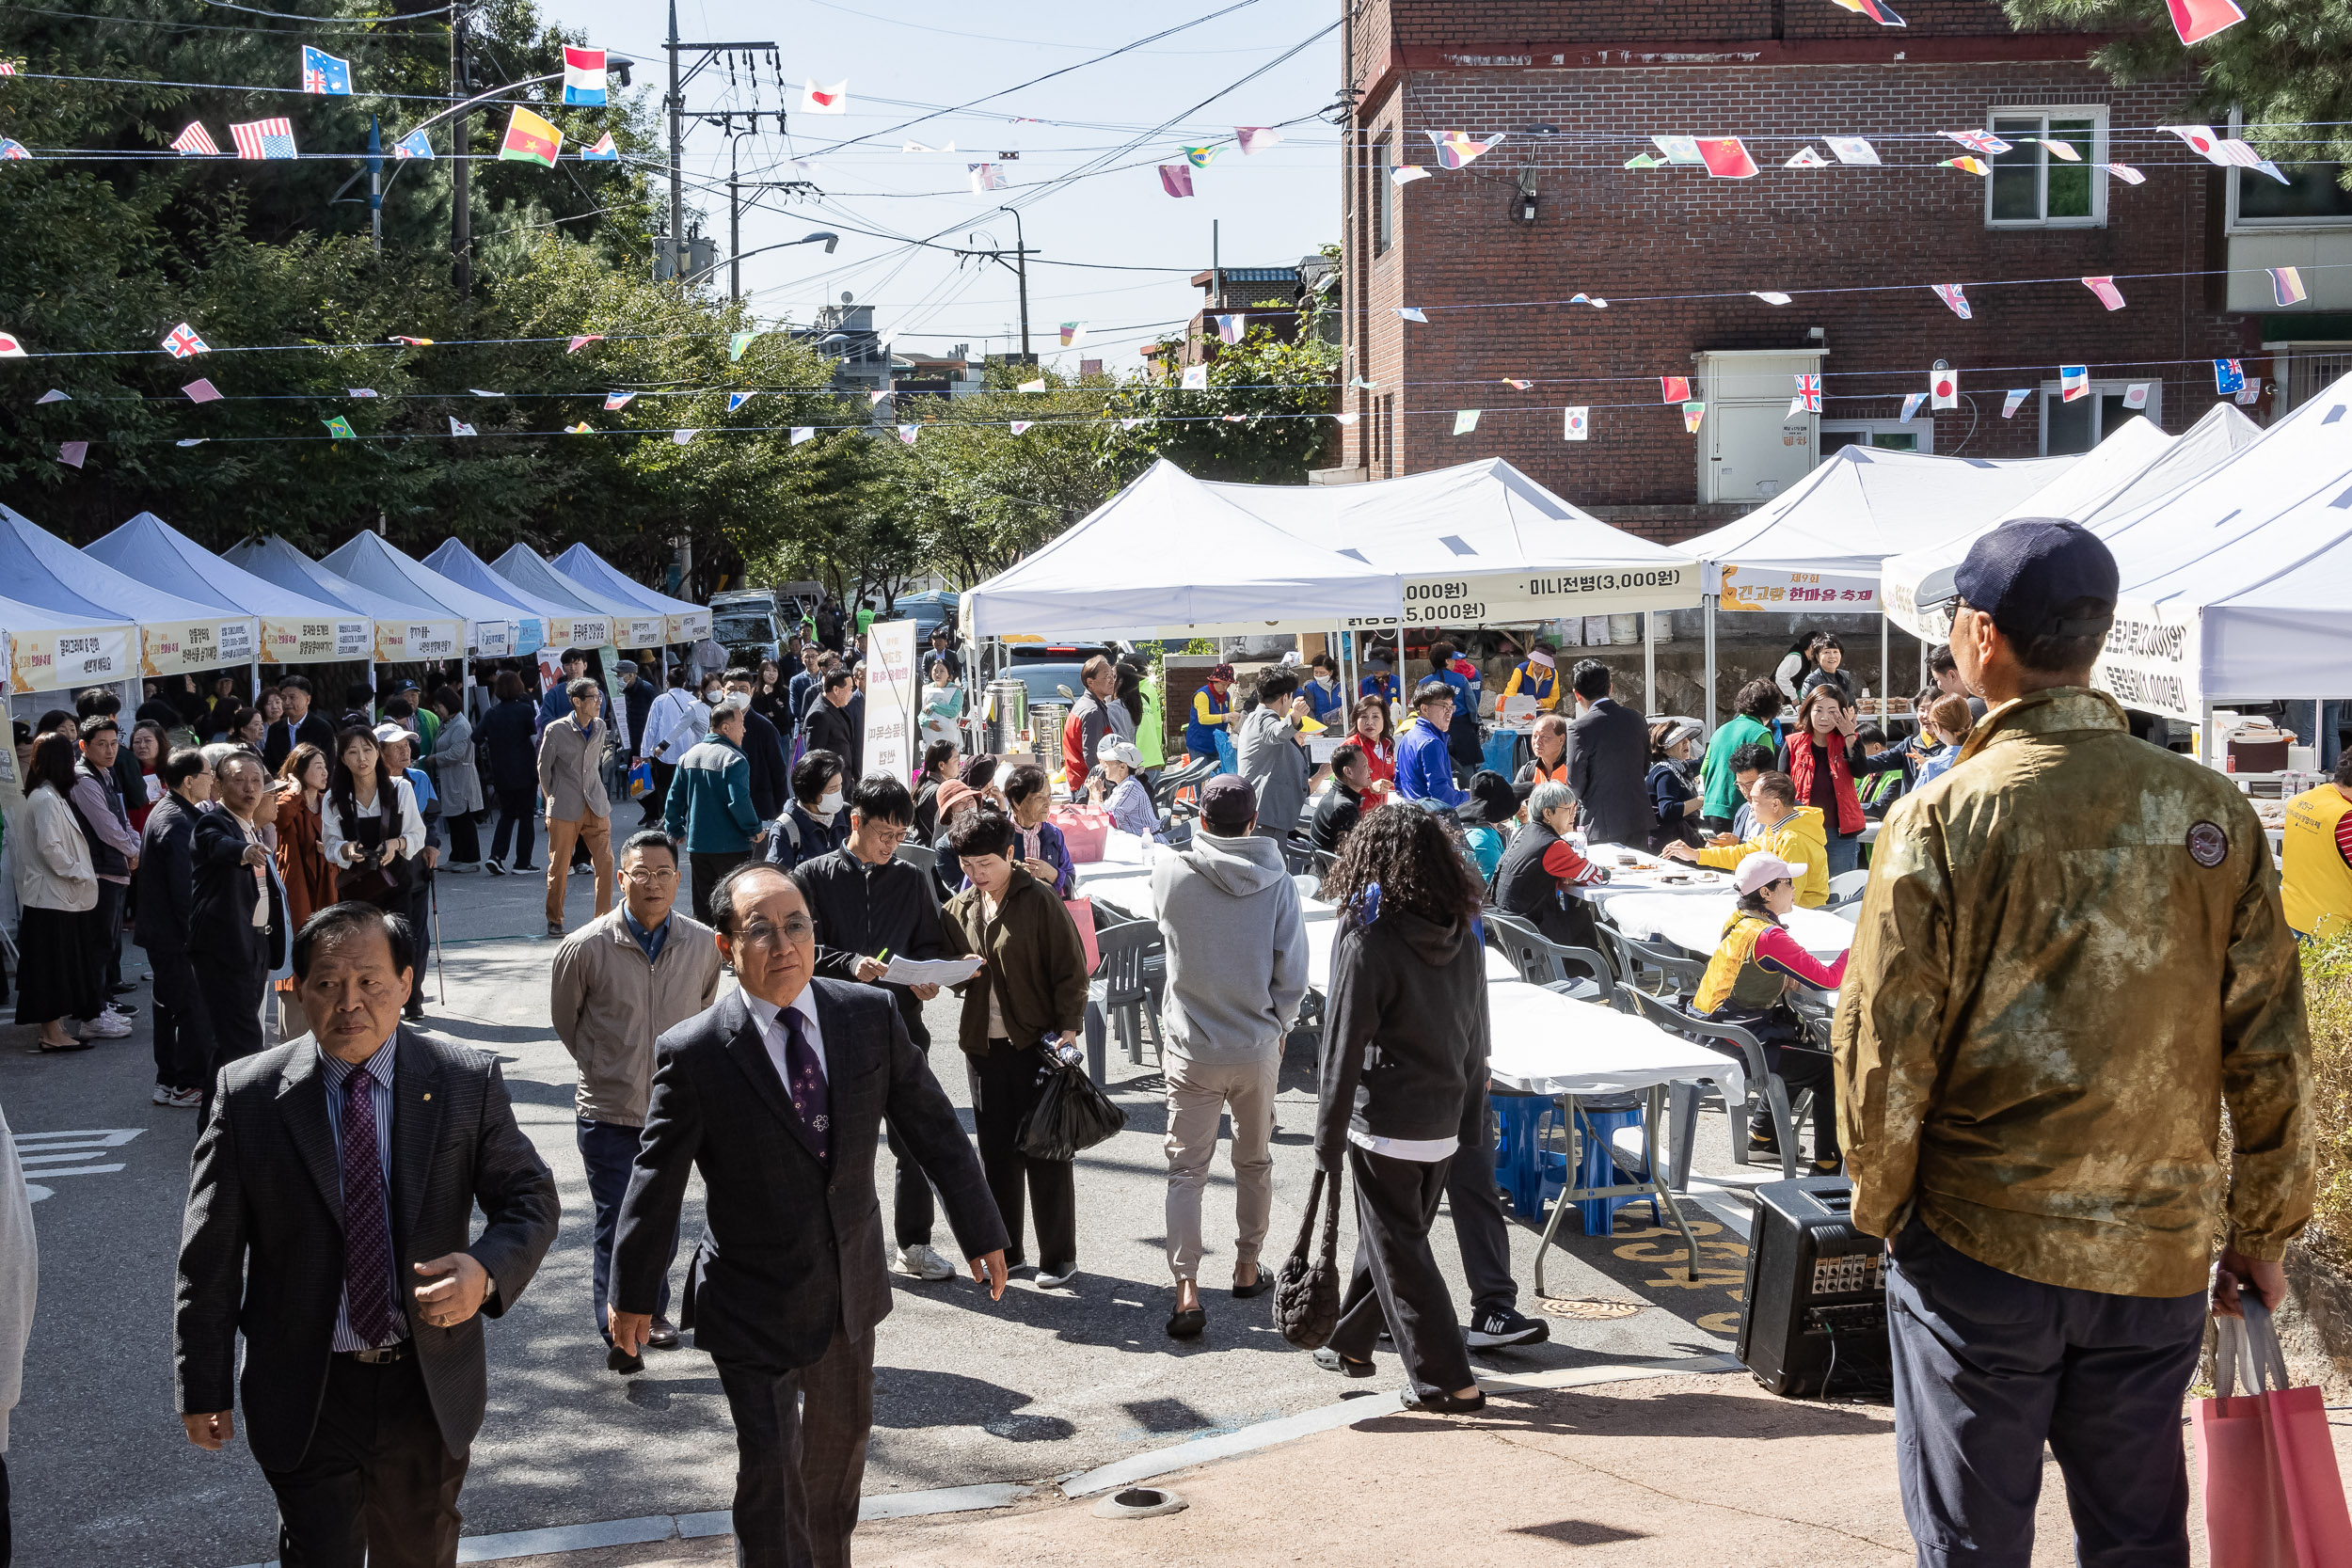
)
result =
(1551, 213)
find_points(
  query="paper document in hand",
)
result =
(930, 971)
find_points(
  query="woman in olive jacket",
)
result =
(1028, 999)
(1403, 1081)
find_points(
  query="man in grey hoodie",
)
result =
(1236, 972)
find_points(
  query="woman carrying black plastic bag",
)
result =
(1029, 1001)
(1404, 1053)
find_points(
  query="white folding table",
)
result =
(1696, 924)
(1545, 1043)
(1323, 935)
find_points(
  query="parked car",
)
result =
(748, 625)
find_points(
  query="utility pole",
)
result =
(675, 103)
(461, 185)
(375, 181)
(1020, 258)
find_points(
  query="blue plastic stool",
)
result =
(1523, 1167)
(1598, 1168)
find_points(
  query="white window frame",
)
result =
(1383, 194)
(1920, 425)
(2233, 224)
(2052, 392)
(2097, 114)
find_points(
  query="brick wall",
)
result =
(1622, 234)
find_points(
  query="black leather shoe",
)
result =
(1263, 1283)
(1445, 1404)
(1186, 1323)
(622, 1362)
(662, 1336)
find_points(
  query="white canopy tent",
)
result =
(688, 621)
(87, 602)
(1820, 543)
(2234, 584)
(487, 627)
(1480, 544)
(560, 623)
(404, 630)
(296, 628)
(2135, 466)
(634, 625)
(1172, 557)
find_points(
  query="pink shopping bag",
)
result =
(2274, 1497)
(1083, 830)
(1082, 916)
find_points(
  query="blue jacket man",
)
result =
(553, 703)
(1424, 771)
(710, 806)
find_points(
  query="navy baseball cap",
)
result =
(1227, 803)
(2023, 573)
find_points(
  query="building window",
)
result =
(2311, 370)
(2032, 187)
(1383, 196)
(1885, 434)
(2082, 424)
(1388, 436)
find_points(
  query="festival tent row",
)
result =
(2136, 464)
(629, 625)
(2235, 581)
(90, 624)
(688, 623)
(296, 627)
(486, 627)
(404, 630)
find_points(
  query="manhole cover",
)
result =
(1591, 1309)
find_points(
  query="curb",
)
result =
(965, 1500)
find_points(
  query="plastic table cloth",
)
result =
(1696, 924)
(1323, 935)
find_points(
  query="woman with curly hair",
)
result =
(1401, 1086)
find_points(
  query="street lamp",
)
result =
(826, 236)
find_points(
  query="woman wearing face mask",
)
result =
(814, 824)
(1321, 690)
(1675, 804)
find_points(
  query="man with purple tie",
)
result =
(328, 1207)
(777, 1095)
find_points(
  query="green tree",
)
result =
(1263, 419)
(2288, 66)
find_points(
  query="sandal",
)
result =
(1186, 1323)
(1445, 1404)
(43, 1048)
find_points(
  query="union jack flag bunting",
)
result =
(1980, 141)
(183, 343)
(196, 141)
(10, 147)
(264, 139)
(1808, 398)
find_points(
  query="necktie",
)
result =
(806, 1082)
(367, 1219)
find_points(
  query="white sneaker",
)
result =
(179, 1100)
(106, 1026)
(920, 1262)
(1057, 1281)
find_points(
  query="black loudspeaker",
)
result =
(1817, 1291)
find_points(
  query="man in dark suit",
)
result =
(834, 725)
(1607, 758)
(333, 1169)
(167, 917)
(300, 727)
(237, 924)
(776, 1095)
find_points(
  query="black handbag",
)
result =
(1306, 1293)
(1071, 1114)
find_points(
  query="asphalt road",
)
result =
(1040, 1386)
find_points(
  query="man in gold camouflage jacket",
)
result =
(2070, 956)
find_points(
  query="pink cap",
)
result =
(1757, 870)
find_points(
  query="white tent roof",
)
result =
(1170, 556)
(1862, 505)
(296, 628)
(563, 621)
(177, 635)
(404, 630)
(688, 621)
(486, 626)
(2234, 584)
(2136, 464)
(1480, 542)
(633, 625)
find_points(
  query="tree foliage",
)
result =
(2288, 66)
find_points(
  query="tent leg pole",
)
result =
(1649, 661)
(1707, 614)
(1886, 675)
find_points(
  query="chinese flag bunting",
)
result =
(1726, 158)
(1674, 388)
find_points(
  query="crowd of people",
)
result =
(807, 887)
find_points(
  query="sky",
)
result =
(1129, 113)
